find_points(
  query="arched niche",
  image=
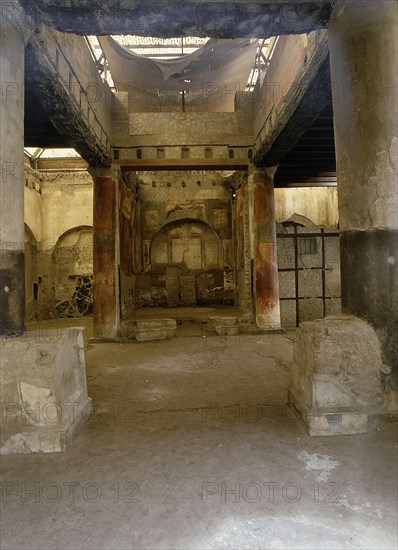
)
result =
(73, 272)
(190, 243)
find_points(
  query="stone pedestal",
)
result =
(43, 391)
(336, 377)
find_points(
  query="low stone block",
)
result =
(335, 376)
(43, 391)
(159, 329)
(224, 326)
(344, 423)
(223, 330)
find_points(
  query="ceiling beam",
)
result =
(303, 104)
(173, 18)
(183, 164)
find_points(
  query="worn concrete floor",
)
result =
(191, 446)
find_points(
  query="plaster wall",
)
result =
(310, 205)
(66, 203)
(58, 216)
(179, 129)
(33, 204)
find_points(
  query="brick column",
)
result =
(263, 229)
(106, 300)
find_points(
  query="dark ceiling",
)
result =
(207, 18)
(39, 130)
(312, 160)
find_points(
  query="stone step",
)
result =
(224, 326)
(155, 324)
(157, 329)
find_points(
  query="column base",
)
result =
(336, 377)
(43, 391)
(369, 275)
(270, 320)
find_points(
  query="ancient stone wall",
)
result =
(72, 261)
(187, 247)
(148, 135)
(58, 244)
(165, 219)
(316, 204)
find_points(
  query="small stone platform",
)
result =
(224, 326)
(336, 375)
(43, 391)
(155, 329)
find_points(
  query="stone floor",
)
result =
(185, 313)
(192, 446)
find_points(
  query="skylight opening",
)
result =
(262, 61)
(100, 60)
(162, 49)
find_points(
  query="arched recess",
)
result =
(72, 259)
(31, 274)
(187, 267)
(187, 242)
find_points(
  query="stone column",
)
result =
(266, 286)
(12, 255)
(106, 299)
(363, 50)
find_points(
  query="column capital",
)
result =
(268, 171)
(114, 172)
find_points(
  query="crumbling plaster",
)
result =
(317, 204)
(180, 194)
(173, 129)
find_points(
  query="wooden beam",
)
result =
(182, 164)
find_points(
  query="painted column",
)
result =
(242, 246)
(364, 60)
(12, 255)
(106, 300)
(266, 286)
